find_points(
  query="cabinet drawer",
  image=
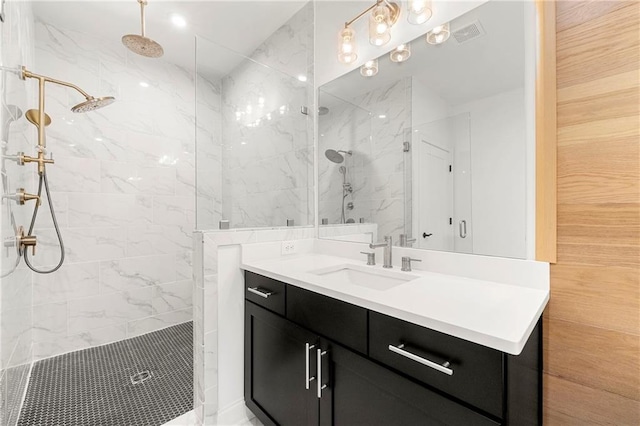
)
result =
(477, 371)
(265, 292)
(334, 319)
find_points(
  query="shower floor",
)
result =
(96, 386)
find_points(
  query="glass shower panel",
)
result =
(442, 216)
(254, 142)
(345, 193)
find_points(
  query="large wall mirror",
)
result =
(437, 151)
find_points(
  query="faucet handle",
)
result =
(406, 263)
(371, 258)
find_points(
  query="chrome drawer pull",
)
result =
(443, 368)
(320, 354)
(308, 379)
(259, 292)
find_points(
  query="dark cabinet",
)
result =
(361, 392)
(314, 360)
(275, 363)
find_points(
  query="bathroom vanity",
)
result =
(316, 356)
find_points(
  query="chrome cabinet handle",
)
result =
(259, 292)
(308, 379)
(463, 229)
(320, 354)
(443, 368)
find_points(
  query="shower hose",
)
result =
(43, 179)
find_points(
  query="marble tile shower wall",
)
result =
(373, 125)
(267, 140)
(124, 191)
(391, 116)
(16, 48)
(345, 127)
(208, 153)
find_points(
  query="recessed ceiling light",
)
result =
(382, 116)
(178, 21)
(144, 84)
(302, 78)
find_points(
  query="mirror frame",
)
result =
(546, 134)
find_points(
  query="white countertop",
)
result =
(497, 315)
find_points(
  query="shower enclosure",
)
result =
(345, 161)
(254, 139)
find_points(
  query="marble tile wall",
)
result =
(208, 151)
(377, 166)
(123, 187)
(267, 146)
(344, 127)
(16, 49)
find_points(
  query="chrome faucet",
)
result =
(405, 241)
(387, 251)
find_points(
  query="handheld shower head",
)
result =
(92, 104)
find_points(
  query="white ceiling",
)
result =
(237, 25)
(459, 73)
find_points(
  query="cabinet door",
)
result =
(276, 368)
(361, 392)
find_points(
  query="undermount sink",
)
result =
(365, 276)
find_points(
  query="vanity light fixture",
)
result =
(419, 11)
(347, 52)
(400, 53)
(370, 68)
(384, 14)
(439, 34)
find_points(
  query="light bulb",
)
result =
(370, 68)
(417, 6)
(439, 34)
(380, 26)
(347, 46)
(400, 53)
(419, 11)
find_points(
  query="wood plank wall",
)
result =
(592, 324)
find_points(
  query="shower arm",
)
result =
(41, 114)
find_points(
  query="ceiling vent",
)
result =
(468, 32)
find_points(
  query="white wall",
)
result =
(499, 179)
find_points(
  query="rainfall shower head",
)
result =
(92, 104)
(335, 156)
(323, 110)
(140, 44)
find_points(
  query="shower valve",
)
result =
(23, 197)
(25, 241)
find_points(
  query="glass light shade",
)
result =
(400, 53)
(439, 34)
(347, 49)
(419, 11)
(370, 68)
(380, 26)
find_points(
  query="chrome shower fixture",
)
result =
(140, 44)
(336, 156)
